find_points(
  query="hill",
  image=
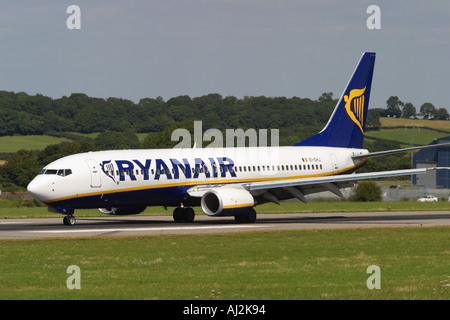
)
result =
(409, 132)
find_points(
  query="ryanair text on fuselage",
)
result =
(221, 166)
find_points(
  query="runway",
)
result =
(161, 225)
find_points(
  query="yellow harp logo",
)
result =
(354, 105)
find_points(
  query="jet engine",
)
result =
(226, 201)
(123, 211)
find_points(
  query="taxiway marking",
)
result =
(144, 229)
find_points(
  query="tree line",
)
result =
(398, 109)
(24, 114)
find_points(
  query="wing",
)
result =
(273, 191)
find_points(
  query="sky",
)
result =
(146, 48)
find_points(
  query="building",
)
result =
(433, 157)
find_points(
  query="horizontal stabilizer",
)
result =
(389, 152)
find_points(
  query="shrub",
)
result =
(366, 191)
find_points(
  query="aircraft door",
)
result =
(334, 163)
(94, 168)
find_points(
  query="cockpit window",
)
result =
(59, 172)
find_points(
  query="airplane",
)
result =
(222, 181)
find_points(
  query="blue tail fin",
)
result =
(346, 126)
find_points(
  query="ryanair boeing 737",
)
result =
(223, 181)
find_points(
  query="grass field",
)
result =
(11, 144)
(406, 136)
(414, 264)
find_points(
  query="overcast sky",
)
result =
(139, 48)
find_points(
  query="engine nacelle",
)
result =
(225, 201)
(121, 211)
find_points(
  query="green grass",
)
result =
(405, 135)
(414, 264)
(11, 144)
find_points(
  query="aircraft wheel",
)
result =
(249, 217)
(178, 215)
(189, 215)
(69, 220)
(183, 215)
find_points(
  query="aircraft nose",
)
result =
(36, 188)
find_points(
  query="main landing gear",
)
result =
(181, 214)
(69, 220)
(248, 217)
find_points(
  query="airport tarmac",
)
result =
(160, 225)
